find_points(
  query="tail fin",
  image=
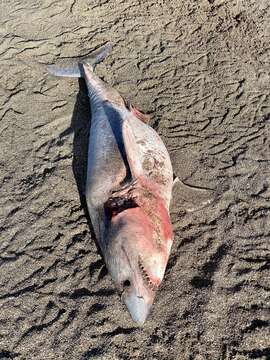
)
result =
(70, 67)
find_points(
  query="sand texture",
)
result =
(201, 69)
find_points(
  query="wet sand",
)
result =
(201, 69)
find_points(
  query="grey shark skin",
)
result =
(128, 190)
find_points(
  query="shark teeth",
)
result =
(146, 276)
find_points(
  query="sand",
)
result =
(201, 69)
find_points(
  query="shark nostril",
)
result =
(126, 283)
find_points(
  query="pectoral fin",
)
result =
(190, 197)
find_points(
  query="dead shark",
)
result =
(128, 189)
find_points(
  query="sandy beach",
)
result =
(201, 70)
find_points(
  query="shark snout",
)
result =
(138, 306)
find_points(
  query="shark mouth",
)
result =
(150, 284)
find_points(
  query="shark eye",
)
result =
(126, 284)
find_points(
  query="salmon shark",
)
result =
(128, 189)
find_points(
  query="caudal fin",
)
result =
(70, 67)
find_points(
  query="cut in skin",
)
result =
(128, 191)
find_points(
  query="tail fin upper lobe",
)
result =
(71, 67)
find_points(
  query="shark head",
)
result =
(136, 256)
